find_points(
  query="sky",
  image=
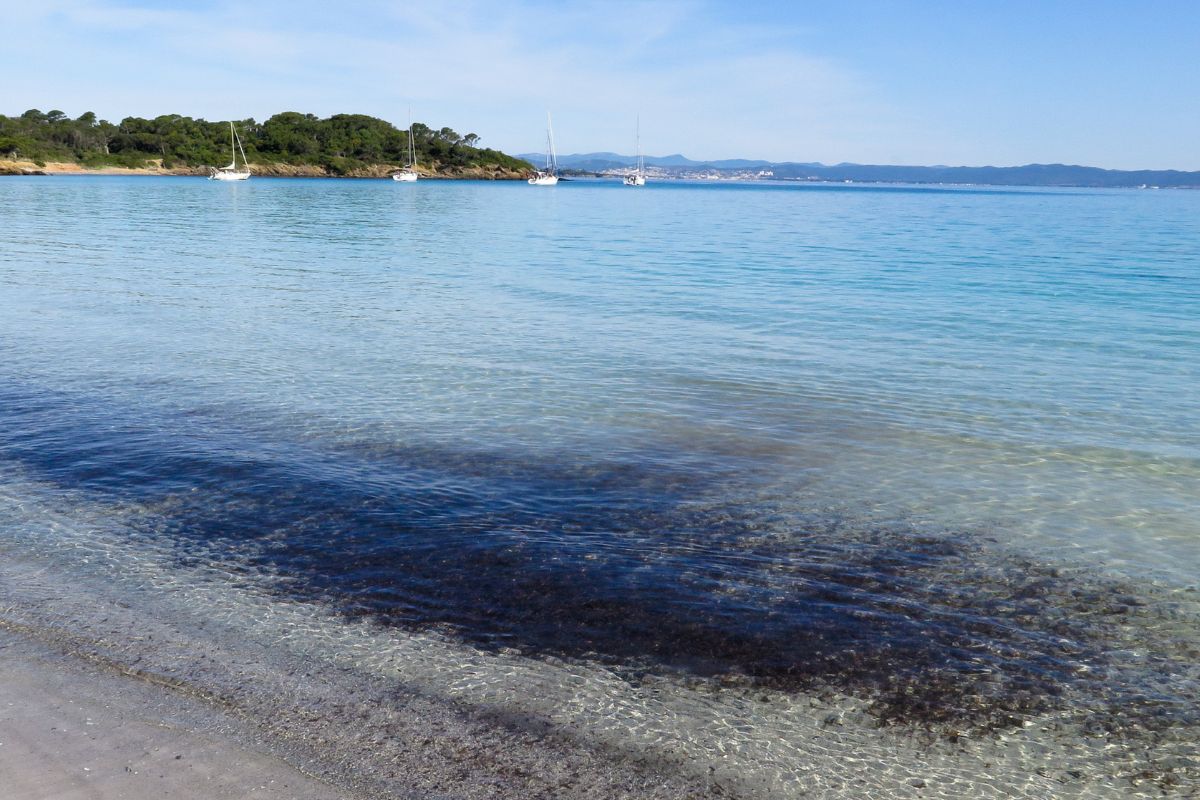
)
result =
(1104, 83)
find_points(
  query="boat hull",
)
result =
(229, 176)
(405, 177)
(543, 180)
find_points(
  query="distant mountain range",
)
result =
(1027, 175)
(598, 162)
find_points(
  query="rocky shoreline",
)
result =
(260, 170)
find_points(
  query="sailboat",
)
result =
(638, 178)
(408, 174)
(231, 172)
(549, 175)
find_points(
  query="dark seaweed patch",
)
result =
(635, 564)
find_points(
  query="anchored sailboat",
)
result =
(638, 178)
(409, 173)
(231, 172)
(549, 175)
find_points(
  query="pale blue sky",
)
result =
(1105, 83)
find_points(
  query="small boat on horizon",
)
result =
(231, 172)
(638, 178)
(409, 173)
(549, 175)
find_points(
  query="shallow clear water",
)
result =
(707, 430)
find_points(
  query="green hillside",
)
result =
(340, 144)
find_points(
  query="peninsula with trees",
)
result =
(287, 144)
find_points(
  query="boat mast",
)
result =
(245, 161)
(551, 161)
(412, 151)
(640, 167)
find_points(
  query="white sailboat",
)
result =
(638, 178)
(409, 173)
(549, 175)
(231, 172)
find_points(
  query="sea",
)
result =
(760, 489)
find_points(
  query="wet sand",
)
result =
(246, 706)
(69, 731)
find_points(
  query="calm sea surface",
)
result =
(898, 447)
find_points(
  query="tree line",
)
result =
(341, 143)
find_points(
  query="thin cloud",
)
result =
(704, 85)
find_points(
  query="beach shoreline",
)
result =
(156, 169)
(74, 729)
(260, 709)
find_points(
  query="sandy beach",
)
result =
(22, 167)
(70, 731)
(243, 712)
(155, 168)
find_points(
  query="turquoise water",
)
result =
(971, 357)
(722, 404)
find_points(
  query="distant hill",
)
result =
(597, 162)
(1028, 175)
